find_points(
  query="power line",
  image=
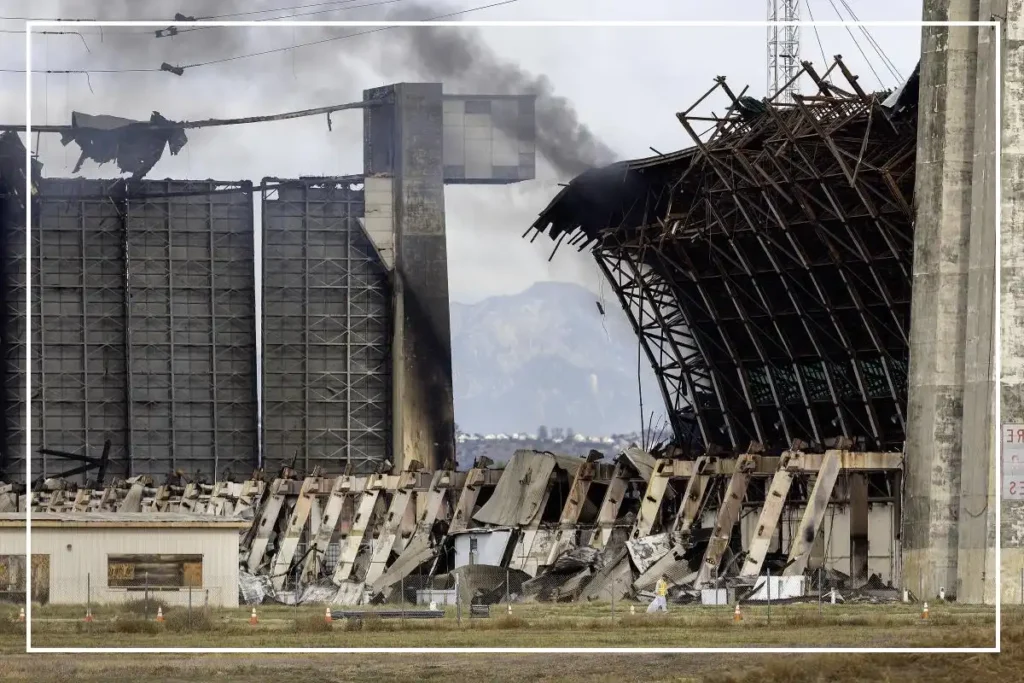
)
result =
(335, 6)
(349, 35)
(817, 36)
(857, 45)
(174, 31)
(214, 16)
(178, 70)
(874, 44)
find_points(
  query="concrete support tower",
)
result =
(949, 513)
(415, 143)
(1011, 533)
(403, 141)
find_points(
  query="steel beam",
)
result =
(653, 497)
(475, 479)
(401, 499)
(810, 524)
(353, 540)
(343, 487)
(728, 515)
(858, 494)
(768, 522)
(609, 511)
(267, 523)
(293, 533)
(693, 496)
(567, 521)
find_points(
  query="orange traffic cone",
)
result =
(737, 616)
(21, 615)
(88, 616)
(327, 615)
(924, 612)
(159, 613)
(253, 619)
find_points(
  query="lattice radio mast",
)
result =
(783, 48)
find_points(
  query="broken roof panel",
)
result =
(520, 494)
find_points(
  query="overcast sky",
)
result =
(625, 85)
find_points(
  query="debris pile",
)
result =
(546, 527)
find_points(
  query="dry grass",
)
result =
(186, 621)
(139, 626)
(142, 607)
(313, 624)
(503, 623)
(11, 627)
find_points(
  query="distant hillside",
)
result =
(547, 357)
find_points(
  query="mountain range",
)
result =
(548, 356)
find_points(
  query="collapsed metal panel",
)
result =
(192, 328)
(78, 326)
(326, 329)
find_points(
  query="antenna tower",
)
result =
(783, 49)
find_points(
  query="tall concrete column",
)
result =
(403, 141)
(945, 156)
(976, 516)
(1012, 278)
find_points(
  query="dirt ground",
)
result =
(396, 667)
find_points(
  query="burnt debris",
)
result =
(136, 146)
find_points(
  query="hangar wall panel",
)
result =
(143, 327)
(192, 323)
(78, 326)
(326, 330)
(12, 329)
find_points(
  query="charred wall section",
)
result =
(12, 307)
(326, 330)
(143, 328)
(191, 328)
(80, 380)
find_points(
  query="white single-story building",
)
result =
(107, 557)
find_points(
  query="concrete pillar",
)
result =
(1012, 280)
(858, 485)
(976, 515)
(945, 156)
(403, 140)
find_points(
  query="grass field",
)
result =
(530, 626)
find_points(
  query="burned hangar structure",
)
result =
(766, 273)
(766, 269)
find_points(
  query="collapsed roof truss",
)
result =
(766, 271)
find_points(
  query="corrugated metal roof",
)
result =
(122, 519)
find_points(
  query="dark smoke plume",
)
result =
(459, 58)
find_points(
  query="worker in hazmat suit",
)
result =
(660, 602)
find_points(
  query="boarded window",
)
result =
(12, 578)
(155, 572)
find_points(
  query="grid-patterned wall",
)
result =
(192, 350)
(12, 322)
(78, 335)
(326, 330)
(143, 327)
